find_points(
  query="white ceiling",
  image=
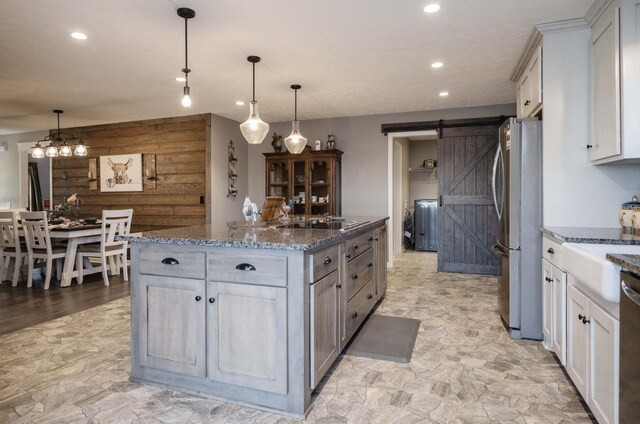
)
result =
(352, 57)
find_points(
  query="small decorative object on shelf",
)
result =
(318, 145)
(430, 163)
(277, 142)
(629, 216)
(331, 142)
(249, 210)
(232, 191)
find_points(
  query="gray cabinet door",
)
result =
(325, 344)
(381, 262)
(171, 321)
(247, 335)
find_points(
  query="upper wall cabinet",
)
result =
(529, 86)
(615, 84)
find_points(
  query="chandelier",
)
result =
(60, 144)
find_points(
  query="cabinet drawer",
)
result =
(359, 244)
(161, 260)
(552, 251)
(359, 307)
(252, 269)
(323, 263)
(359, 272)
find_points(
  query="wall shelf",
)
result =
(421, 169)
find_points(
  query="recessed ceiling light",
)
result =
(240, 103)
(437, 65)
(432, 8)
(79, 35)
(444, 93)
(181, 79)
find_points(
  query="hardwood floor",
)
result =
(22, 307)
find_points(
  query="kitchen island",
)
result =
(252, 313)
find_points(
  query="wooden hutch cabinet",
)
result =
(312, 179)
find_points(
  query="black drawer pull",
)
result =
(551, 251)
(170, 261)
(211, 300)
(245, 267)
(348, 256)
(354, 315)
(585, 320)
(370, 264)
(339, 286)
(355, 247)
(370, 238)
(581, 317)
(547, 279)
(198, 298)
(369, 296)
(327, 260)
(354, 277)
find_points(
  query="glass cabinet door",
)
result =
(278, 179)
(319, 196)
(299, 186)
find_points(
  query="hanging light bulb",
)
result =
(65, 150)
(186, 13)
(38, 151)
(254, 129)
(80, 149)
(295, 142)
(51, 151)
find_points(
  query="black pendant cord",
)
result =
(186, 69)
(254, 81)
(295, 108)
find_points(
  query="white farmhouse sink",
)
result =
(587, 263)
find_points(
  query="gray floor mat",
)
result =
(386, 338)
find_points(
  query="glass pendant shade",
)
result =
(295, 142)
(38, 152)
(51, 151)
(65, 150)
(186, 99)
(254, 129)
(80, 149)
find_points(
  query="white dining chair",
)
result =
(10, 245)
(114, 223)
(36, 234)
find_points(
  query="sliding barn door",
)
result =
(467, 222)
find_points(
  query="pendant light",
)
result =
(254, 129)
(60, 144)
(295, 142)
(186, 13)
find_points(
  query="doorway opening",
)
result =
(412, 177)
(45, 177)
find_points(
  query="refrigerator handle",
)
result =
(493, 181)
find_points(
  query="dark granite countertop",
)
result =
(591, 235)
(630, 263)
(261, 235)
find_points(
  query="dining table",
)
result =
(75, 236)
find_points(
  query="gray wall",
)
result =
(364, 164)
(223, 208)
(9, 179)
(576, 192)
(423, 184)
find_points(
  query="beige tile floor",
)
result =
(464, 369)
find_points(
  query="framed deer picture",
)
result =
(121, 172)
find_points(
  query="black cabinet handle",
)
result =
(376, 239)
(327, 260)
(547, 279)
(527, 103)
(370, 264)
(354, 315)
(585, 320)
(348, 256)
(211, 300)
(198, 298)
(581, 317)
(339, 286)
(370, 296)
(355, 247)
(354, 277)
(589, 146)
(551, 251)
(245, 267)
(370, 238)
(170, 261)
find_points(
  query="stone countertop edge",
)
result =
(630, 263)
(195, 236)
(591, 235)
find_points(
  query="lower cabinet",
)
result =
(325, 310)
(381, 262)
(554, 309)
(173, 342)
(547, 304)
(593, 354)
(247, 335)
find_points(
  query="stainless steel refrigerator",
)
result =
(517, 196)
(426, 218)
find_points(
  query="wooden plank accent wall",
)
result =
(181, 146)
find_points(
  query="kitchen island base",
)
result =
(258, 326)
